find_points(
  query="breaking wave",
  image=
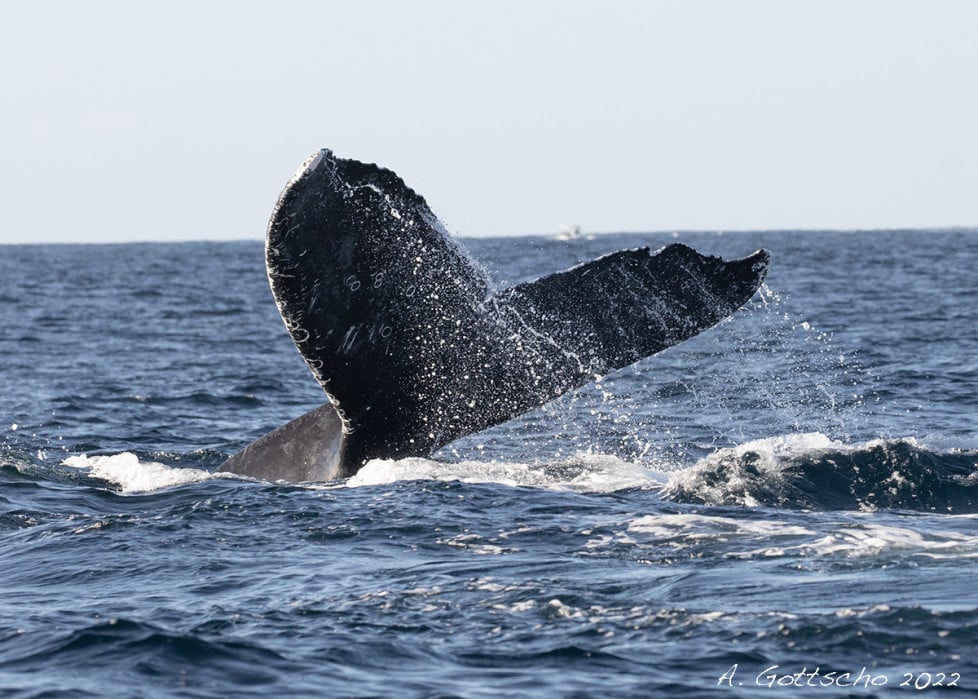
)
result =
(811, 471)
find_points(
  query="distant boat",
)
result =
(568, 232)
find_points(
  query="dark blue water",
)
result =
(797, 487)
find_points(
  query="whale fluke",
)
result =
(412, 346)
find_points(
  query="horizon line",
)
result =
(555, 236)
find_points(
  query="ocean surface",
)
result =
(785, 505)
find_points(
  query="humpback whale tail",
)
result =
(412, 347)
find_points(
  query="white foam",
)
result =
(134, 476)
(586, 472)
(474, 543)
(945, 443)
(703, 526)
(869, 539)
(680, 531)
(786, 445)
(751, 538)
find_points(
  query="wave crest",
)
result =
(811, 471)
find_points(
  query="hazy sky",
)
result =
(183, 119)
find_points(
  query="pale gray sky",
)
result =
(183, 119)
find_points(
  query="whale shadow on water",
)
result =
(412, 346)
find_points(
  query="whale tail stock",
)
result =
(410, 344)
